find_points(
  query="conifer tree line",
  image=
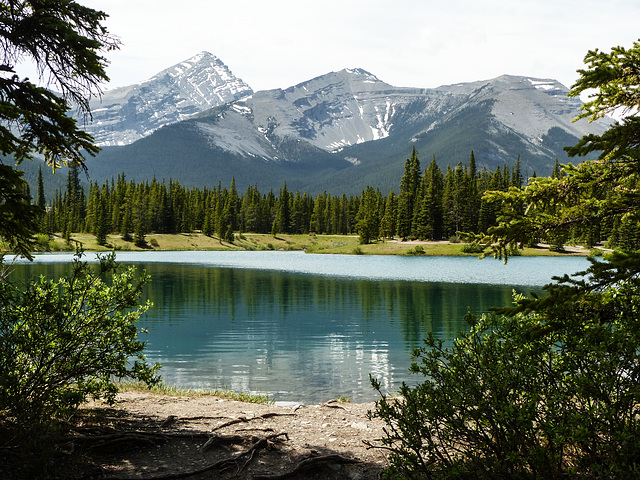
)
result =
(430, 205)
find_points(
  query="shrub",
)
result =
(514, 251)
(473, 247)
(417, 250)
(66, 340)
(524, 397)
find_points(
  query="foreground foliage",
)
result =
(66, 340)
(513, 399)
(64, 40)
(551, 387)
(60, 341)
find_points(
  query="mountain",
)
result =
(124, 115)
(198, 124)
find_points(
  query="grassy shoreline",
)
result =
(324, 244)
(164, 390)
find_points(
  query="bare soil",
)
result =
(151, 436)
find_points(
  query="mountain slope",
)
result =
(126, 114)
(198, 124)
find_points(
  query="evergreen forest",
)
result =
(430, 205)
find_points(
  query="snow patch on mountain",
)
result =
(533, 106)
(124, 115)
(336, 111)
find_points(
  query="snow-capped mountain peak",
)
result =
(126, 114)
(327, 126)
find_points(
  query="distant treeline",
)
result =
(429, 205)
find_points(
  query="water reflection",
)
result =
(298, 337)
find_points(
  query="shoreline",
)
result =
(320, 244)
(334, 437)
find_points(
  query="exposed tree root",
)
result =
(245, 419)
(219, 440)
(221, 465)
(333, 404)
(307, 463)
(171, 419)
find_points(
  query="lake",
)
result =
(308, 328)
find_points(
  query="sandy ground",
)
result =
(164, 437)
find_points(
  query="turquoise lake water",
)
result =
(308, 328)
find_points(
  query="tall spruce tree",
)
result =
(407, 196)
(470, 199)
(388, 221)
(516, 175)
(41, 200)
(368, 221)
(101, 227)
(431, 208)
(74, 201)
(283, 217)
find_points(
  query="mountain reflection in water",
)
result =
(300, 334)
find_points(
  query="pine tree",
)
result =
(431, 208)
(229, 236)
(74, 202)
(556, 173)
(450, 218)
(470, 199)
(100, 227)
(139, 213)
(219, 220)
(233, 205)
(283, 216)
(407, 196)
(208, 226)
(388, 222)
(318, 216)
(41, 201)
(307, 205)
(368, 222)
(516, 175)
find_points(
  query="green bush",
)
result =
(64, 341)
(473, 247)
(514, 251)
(43, 243)
(524, 397)
(417, 250)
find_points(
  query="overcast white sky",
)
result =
(407, 43)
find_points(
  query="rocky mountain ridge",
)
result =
(197, 123)
(126, 114)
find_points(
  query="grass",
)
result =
(325, 244)
(164, 389)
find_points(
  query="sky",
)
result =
(406, 43)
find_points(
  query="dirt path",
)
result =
(246, 441)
